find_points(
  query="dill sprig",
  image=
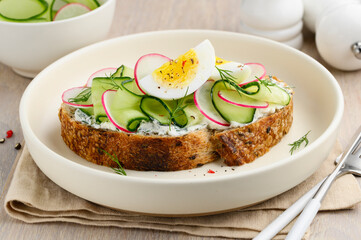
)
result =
(120, 170)
(83, 96)
(266, 83)
(226, 75)
(113, 84)
(178, 110)
(297, 144)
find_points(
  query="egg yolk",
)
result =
(220, 61)
(177, 73)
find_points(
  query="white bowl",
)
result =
(192, 191)
(29, 47)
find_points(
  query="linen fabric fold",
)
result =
(34, 198)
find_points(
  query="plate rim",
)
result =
(331, 128)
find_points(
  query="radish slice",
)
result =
(74, 92)
(233, 97)
(258, 71)
(71, 10)
(147, 64)
(203, 101)
(107, 99)
(105, 72)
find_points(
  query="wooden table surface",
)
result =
(140, 16)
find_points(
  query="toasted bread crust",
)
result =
(168, 153)
(245, 144)
(134, 151)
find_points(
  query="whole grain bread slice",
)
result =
(170, 153)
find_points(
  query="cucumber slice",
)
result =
(88, 111)
(118, 72)
(203, 101)
(194, 116)
(248, 89)
(124, 71)
(101, 2)
(122, 109)
(163, 111)
(155, 108)
(270, 92)
(128, 72)
(35, 20)
(71, 10)
(131, 86)
(92, 4)
(235, 98)
(48, 13)
(99, 86)
(55, 6)
(229, 111)
(179, 117)
(9, 9)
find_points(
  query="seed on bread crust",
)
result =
(167, 153)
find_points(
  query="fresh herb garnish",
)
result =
(226, 75)
(266, 83)
(113, 84)
(297, 144)
(178, 110)
(120, 170)
(83, 96)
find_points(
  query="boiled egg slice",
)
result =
(238, 71)
(182, 76)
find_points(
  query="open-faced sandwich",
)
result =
(168, 115)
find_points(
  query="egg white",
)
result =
(206, 61)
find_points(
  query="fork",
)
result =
(353, 167)
(346, 165)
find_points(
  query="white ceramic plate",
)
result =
(318, 106)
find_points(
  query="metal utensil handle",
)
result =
(304, 220)
(311, 209)
(288, 215)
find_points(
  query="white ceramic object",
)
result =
(190, 192)
(30, 47)
(295, 42)
(277, 35)
(336, 33)
(315, 10)
(271, 15)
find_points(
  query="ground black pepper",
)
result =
(17, 146)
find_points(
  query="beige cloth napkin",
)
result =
(33, 198)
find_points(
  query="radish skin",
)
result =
(146, 65)
(107, 112)
(71, 93)
(219, 120)
(255, 67)
(86, 8)
(105, 72)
